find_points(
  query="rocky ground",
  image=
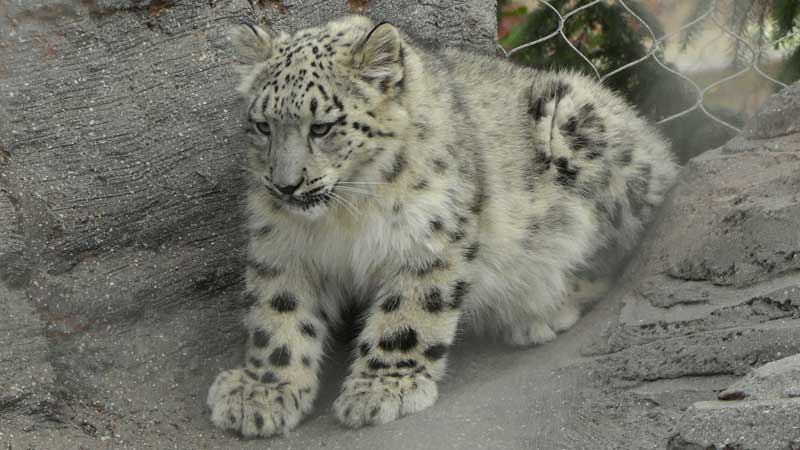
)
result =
(119, 262)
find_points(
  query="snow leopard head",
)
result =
(324, 109)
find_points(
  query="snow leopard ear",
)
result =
(252, 42)
(379, 56)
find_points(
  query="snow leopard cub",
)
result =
(425, 187)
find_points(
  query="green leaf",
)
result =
(785, 13)
(515, 37)
(594, 40)
(518, 12)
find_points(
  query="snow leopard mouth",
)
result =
(308, 204)
(307, 201)
(319, 196)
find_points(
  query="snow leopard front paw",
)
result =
(536, 331)
(369, 399)
(241, 403)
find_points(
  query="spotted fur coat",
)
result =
(427, 188)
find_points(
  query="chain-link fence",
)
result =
(573, 30)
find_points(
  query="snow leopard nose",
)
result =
(288, 189)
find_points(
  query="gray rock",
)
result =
(27, 379)
(777, 117)
(776, 380)
(761, 425)
(724, 251)
(714, 292)
(467, 24)
(731, 351)
(747, 219)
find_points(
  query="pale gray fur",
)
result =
(451, 186)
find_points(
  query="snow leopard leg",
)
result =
(401, 353)
(278, 382)
(569, 145)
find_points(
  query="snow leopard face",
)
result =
(322, 110)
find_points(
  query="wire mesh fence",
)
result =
(654, 41)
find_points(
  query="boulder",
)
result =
(759, 411)
(777, 380)
(713, 293)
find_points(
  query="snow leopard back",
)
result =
(570, 172)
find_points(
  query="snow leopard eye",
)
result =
(320, 129)
(263, 128)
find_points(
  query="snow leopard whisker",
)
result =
(356, 191)
(349, 206)
(362, 182)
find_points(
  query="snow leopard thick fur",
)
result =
(426, 187)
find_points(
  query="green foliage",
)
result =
(690, 34)
(760, 22)
(610, 37)
(786, 14)
(791, 68)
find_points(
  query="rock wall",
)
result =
(714, 292)
(120, 191)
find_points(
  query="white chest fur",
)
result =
(354, 247)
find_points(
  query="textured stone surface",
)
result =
(714, 292)
(761, 425)
(773, 381)
(778, 116)
(120, 226)
(759, 411)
